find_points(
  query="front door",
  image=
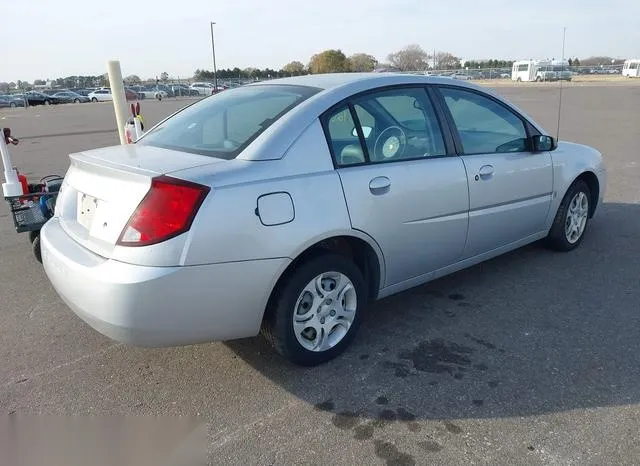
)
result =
(401, 187)
(510, 187)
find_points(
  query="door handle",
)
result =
(379, 185)
(486, 171)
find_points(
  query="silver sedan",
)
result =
(288, 206)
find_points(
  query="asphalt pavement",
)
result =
(530, 358)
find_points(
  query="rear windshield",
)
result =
(224, 124)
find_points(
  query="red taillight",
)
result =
(167, 210)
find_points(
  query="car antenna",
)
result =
(564, 35)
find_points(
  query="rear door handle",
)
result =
(379, 185)
(486, 171)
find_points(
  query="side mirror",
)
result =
(366, 131)
(543, 143)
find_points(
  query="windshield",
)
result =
(224, 124)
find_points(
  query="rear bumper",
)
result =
(158, 306)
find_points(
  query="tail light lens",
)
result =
(167, 210)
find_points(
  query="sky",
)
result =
(45, 39)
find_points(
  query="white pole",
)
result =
(12, 187)
(119, 97)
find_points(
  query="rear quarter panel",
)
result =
(228, 227)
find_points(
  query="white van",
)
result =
(631, 68)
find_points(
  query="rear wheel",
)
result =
(12, 105)
(47, 102)
(76, 101)
(35, 246)
(93, 99)
(316, 310)
(570, 223)
(33, 235)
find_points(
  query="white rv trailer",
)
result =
(631, 68)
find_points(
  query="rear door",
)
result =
(510, 187)
(403, 187)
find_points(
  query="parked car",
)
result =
(84, 92)
(166, 89)
(100, 95)
(183, 90)
(71, 97)
(151, 92)
(38, 98)
(11, 101)
(104, 95)
(133, 93)
(203, 88)
(271, 206)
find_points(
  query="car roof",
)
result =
(334, 80)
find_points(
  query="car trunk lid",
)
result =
(103, 188)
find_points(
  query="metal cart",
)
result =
(31, 205)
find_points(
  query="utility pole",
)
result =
(213, 51)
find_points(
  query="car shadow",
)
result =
(528, 333)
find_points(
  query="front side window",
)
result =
(222, 126)
(484, 125)
(397, 124)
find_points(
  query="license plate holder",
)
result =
(87, 206)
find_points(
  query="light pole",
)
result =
(213, 51)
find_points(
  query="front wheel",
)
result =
(570, 223)
(47, 102)
(94, 99)
(76, 101)
(316, 310)
(12, 105)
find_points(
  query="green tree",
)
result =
(360, 62)
(294, 68)
(133, 79)
(576, 62)
(329, 61)
(411, 58)
(39, 82)
(164, 76)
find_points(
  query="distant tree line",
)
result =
(410, 58)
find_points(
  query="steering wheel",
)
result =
(390, 143)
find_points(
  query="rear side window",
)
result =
(223, 125)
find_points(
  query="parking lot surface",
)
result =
(530, 358)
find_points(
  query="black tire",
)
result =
(277, 325)
(557, 239)
(94, 99)
(76, 101)
(12, 105)
(35, 246)
(47, 102)
(33, 235)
